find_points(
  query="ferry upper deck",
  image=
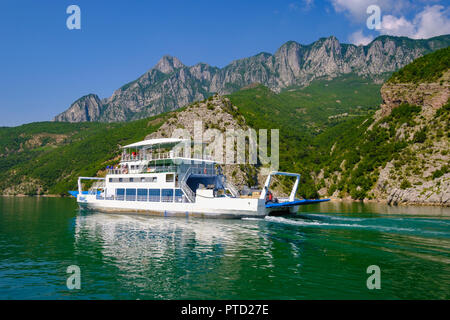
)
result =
(158, 155)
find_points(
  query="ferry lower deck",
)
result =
(222, 207)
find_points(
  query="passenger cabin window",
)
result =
(131, 179)
(154, 195)
(120, 193)
(130, 195)
(142, 194)
(167, 195)
(178, 195)
(169, 177)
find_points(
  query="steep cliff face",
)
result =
(171, 84)
(420, 174)
(430, 95)
(87, 108)
(401, 154)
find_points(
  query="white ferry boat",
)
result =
(151, 179)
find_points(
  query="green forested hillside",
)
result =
(305, 116)
(314, 108)
(25, 142)
(340, 153)
(428, 68)
(47, 157)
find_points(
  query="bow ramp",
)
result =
(291, 201)
(294, 203)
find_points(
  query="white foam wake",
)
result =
(306, 223)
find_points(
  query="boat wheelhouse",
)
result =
(151, 178)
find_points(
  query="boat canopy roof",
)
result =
(161, 142)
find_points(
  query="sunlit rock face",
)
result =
(170, 84)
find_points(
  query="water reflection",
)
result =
(168, 255)
(314, 255)
(163, 234)
(321, 254)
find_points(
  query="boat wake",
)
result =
(372, 224)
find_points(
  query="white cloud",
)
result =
(356, 9)
(359, 38)
(305, 5)
(396, 26)
(398, 18)
(430, 22)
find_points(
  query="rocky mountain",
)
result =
(401, 154)
(170, 84)
(87, 108)
(420, 174)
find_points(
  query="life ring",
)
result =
(204, 171)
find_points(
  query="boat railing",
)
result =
(96, 187)
(147, 156)
(117, 171)
(194, 169)
(190, 195)
(159, 156)
(101, 196)
(143, 169)
(231, 187)
(201, 169)
(166, 198)
(144, 198)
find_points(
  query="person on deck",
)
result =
(269, 196)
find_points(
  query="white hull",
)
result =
(212, 208)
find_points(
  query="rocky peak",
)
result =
(86, 108)
(168, 64)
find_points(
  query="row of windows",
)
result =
(141, 179)
(152, 195)
(169, 178)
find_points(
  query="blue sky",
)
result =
(45, 66)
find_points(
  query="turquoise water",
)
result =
(322, 253)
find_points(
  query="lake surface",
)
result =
(322, 253)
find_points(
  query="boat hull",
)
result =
(204, 207)
(228, 208)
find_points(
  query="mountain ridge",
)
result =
(170, 84)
